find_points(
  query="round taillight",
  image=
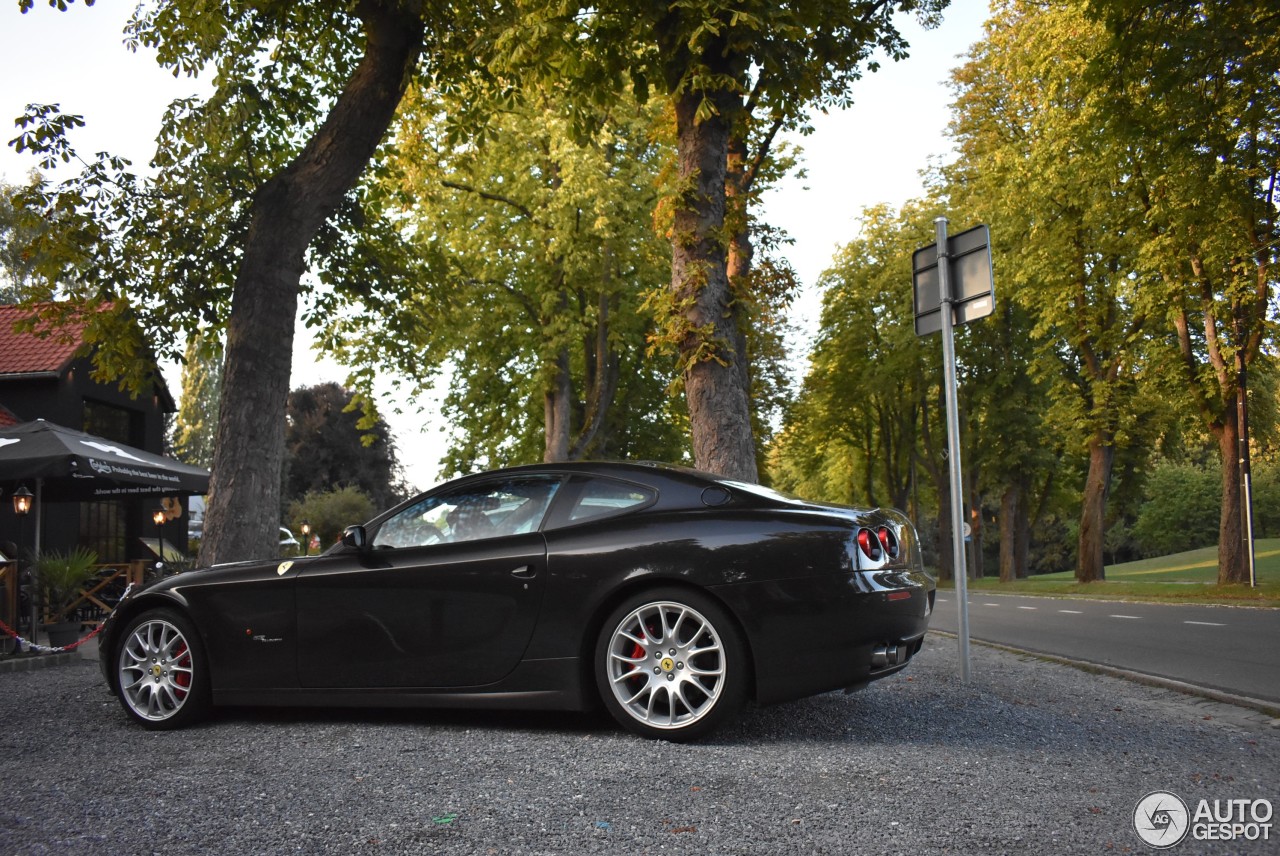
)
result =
(888, 540)
(869, 544)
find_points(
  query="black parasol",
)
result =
(75, 466)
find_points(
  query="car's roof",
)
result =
(652, 473)
(678, 487)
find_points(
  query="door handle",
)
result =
(524, 572)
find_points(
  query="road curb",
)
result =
(35, 664)
(1270, 709)
(1093, 598)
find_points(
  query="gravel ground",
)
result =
(1030, 757)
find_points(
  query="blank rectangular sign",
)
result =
(971, 282)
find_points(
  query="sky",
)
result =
(869, 154)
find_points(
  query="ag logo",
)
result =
(1161, 819)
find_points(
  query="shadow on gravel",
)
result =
(498, 721)
(833, 717)
(865, 718)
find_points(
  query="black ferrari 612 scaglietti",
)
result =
(671, 596)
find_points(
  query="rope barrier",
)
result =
(59, 649)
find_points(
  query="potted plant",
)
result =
(61, 577)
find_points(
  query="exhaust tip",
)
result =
(889, 655)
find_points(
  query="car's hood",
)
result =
(226, 572)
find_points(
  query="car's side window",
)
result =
(601, 497)
(489, 510)
(412, 527)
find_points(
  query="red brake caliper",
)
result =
(182, 679)
(637, 653)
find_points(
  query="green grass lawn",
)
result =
(1189, 577)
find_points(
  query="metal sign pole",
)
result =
(1246, 489)
(959, 570)
(35, 567)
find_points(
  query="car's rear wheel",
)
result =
(161, 674)
(671, 664)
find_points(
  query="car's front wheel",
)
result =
(161, 673)
(671, 664)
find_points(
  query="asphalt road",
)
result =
(1232, 649)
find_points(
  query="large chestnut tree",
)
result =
(248, 190)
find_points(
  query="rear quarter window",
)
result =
(600, 497)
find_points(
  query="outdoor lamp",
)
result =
(22, 501)
(306, 538)
(158, 517)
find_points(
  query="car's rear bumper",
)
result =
(820, 633)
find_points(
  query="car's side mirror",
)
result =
(354, 536)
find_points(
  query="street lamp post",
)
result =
(306, 538)
(22, 507)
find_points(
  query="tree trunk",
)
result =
(741, 252)
(934, 463)
(1232, 564)
(1022, 532)
(244, 502)
(602, 382)
(1222, 414)
(719, 411)
(556, 412)
(946, 552)
(1097, 485)
(1010, 505)
(1030, 518)
(975, 567)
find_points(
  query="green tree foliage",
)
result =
(762, 284)
(197, 419)
(327, 446)
(1125, 161)
(1013, 454)
(1038, 164)
(536, 263)
(765, 286)
(854, 433)
(244, 184)
(869, 424)
(17, 267)
(1266, 499)
(707, 59)
(1194, 95)
(329, 512)
(1181, 509)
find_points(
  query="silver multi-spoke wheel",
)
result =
(666, 665)
(156, 670)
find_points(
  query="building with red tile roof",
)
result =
(48, 374)
(24, 353)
